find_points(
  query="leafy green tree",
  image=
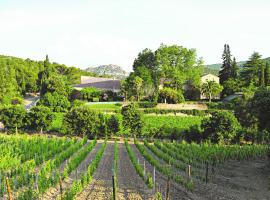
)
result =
(267, 74)
(82, 121)
(55, 83)
(13, 117)
(178, 64)
(137, 83)
(211, 89)
(251, 69)
(169, 95)
(146, 59)
(114, 124)
(262, 76)
(40, 118)
(55, 101)
(89, 93)
(221, 127)
(132, 119)
(232, 86)
(259, 106)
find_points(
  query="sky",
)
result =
(86, 33)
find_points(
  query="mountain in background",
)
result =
(214, 68)
(110, 70)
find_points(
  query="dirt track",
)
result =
(130, 184)
(101, 186)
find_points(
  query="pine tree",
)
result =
(234, 73)
(262, 76)
(226, 70)
(267, 74)
(251, 70)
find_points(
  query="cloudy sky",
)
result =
(90, 33)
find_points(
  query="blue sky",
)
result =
(90, 33)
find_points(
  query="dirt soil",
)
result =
(176, 190)
(235, 180)
(238, 180)
(101, 186)
(130, 185)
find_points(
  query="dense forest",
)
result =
(20, 76)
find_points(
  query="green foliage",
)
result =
(13, 117)
(146, 104)
(167, 126)
(169, 95)
(132, 119)
(55, 101)
(211, 89)
(259, 106)
(40, 118)
(221, 127)
(90, 93)
(251, 69)
(114, 124)
(83, 121)
(57, 122)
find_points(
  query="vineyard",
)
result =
(49, 167)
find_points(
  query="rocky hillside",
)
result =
(109, 70)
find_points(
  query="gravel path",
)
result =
(101, 186)
(130, 184)
(54, 193)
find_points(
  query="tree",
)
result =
(137, 82)
(267, 74)
(211, 89)
(83, 121)
(169, 95)
(115, 124)
(226, 71)
(90, 93)
(13, 117)
(179, 65)
(235, 69)
(132, 119)
(146, 58)
(55, 101)
(231, 86)
(40, 118)
(262, 76)
(251, 69)
(55, 83)
(221, 127)
(259, 106)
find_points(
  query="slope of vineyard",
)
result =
(82, 169)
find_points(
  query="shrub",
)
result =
(13, 117)
(56, 102)
(170, 95)
(114, 124)
(147, 104)
(84, 121)
(40, 118)
(221, 127)
(132, 119)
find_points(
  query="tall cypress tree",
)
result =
(234, 70)
(262, 76)
(267, 74)
(226, 69)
